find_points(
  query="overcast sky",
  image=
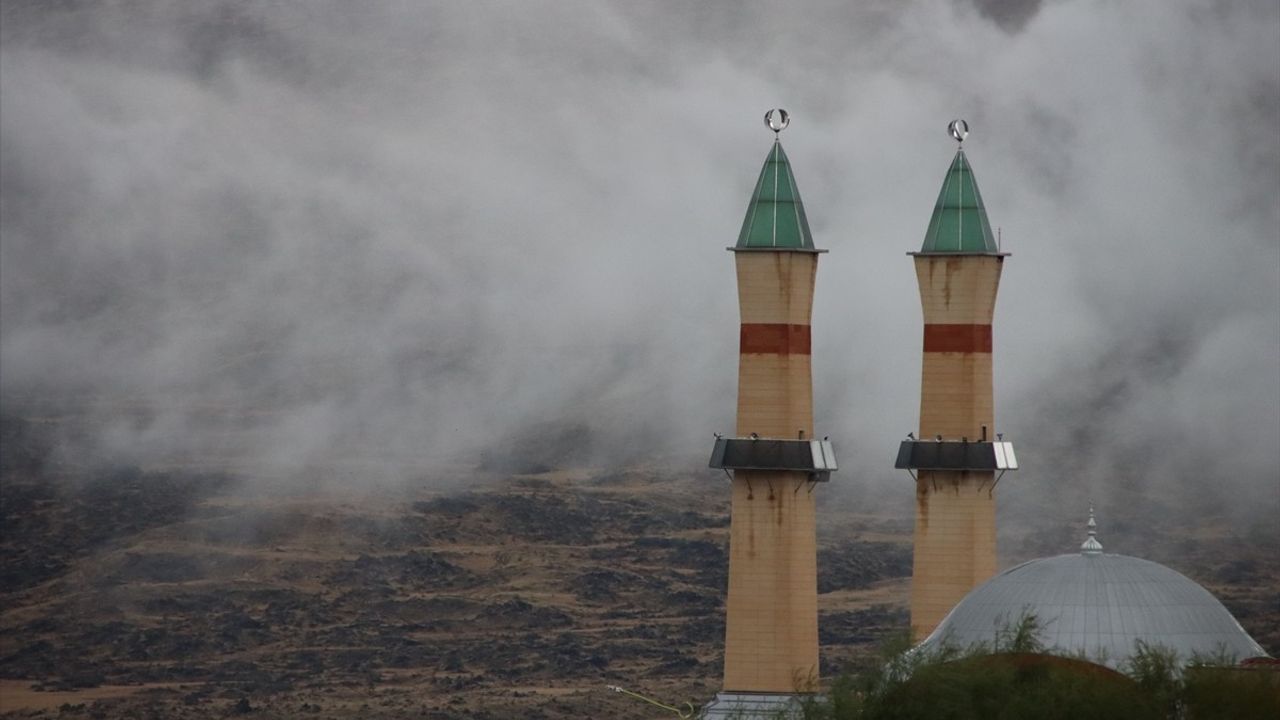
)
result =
(386, 236)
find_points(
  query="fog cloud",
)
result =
(388, 235)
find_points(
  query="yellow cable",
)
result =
(682, 714)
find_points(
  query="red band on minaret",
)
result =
(774, 339)
(957, 338)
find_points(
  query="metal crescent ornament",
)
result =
(959, 129)
(777, 120)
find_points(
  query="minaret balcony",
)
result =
(816, 457)
(961, 455)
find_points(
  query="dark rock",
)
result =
(857, 564)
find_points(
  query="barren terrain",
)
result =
(160, 593)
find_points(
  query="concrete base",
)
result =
(753, 706)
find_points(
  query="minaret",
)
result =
(771, 628)
(954, 461)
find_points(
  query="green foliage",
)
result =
(1020, 681)
(1007, 687)
(1218, 693)
(1021, 636)
(1157, 672)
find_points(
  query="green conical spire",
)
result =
(959, 223)
(775, 217)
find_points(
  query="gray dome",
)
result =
(1097, 606)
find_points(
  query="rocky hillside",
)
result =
(157, 593)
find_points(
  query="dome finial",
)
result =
(1091, 546)
(777, 120)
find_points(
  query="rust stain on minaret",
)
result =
(922, 504)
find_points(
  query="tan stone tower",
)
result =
(771, 628)
(958, 458)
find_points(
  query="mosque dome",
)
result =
(1098, 606)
